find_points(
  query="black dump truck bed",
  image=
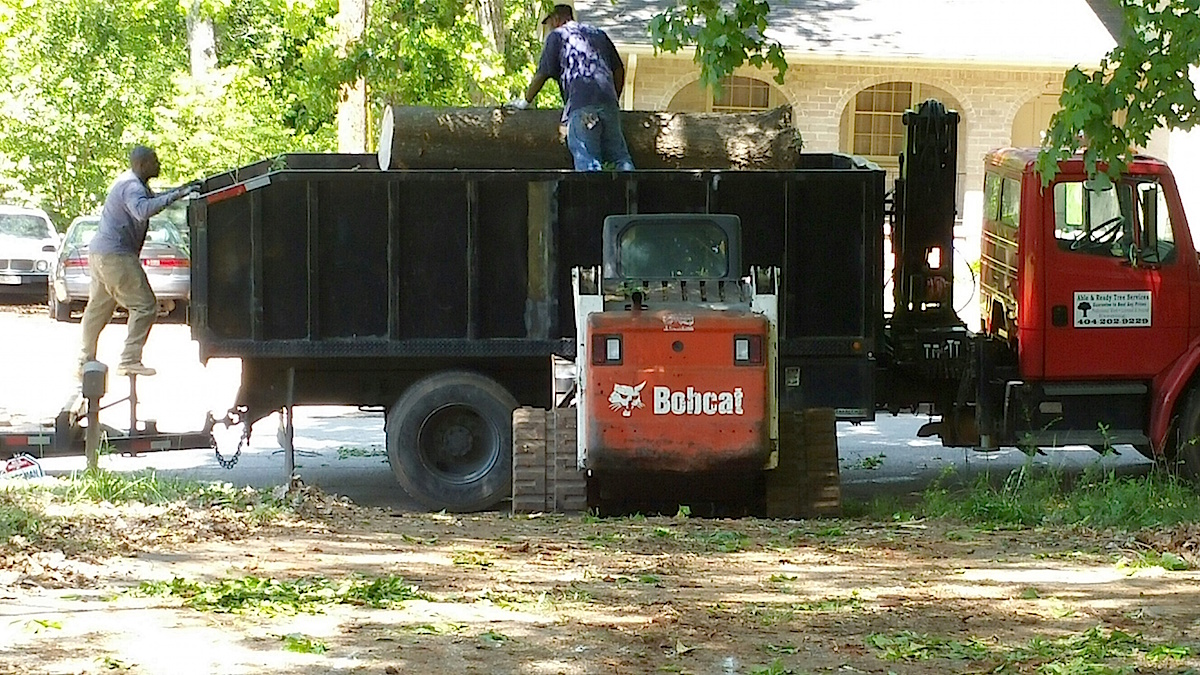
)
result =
(316, 262)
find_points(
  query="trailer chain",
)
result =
(243, 441)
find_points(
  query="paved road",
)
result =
(342, 449)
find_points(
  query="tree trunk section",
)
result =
(352, 104)
(499, 138)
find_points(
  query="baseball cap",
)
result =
(564, 11)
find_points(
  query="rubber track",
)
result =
(546, 478)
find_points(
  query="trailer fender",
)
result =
(1170, 392)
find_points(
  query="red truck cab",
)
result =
(1090, 295)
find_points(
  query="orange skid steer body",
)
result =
(677, 391)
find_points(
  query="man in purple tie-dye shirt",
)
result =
(590, 77)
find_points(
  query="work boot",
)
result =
(135, 369)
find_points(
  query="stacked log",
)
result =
(414, 137)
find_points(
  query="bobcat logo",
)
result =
(625, 398)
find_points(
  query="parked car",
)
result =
(28, 244)
(165, 257)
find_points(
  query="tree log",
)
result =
(500, 138)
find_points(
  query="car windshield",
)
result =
(24, 226)
(161, 231)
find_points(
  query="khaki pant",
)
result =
(118, 279)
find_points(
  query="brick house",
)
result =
(856, 65)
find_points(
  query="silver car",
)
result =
(165, 257)
(27, 249)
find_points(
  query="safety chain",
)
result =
(231, 420)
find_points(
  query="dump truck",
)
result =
(448, 299)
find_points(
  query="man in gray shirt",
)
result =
(114, 260)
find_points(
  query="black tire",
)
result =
(1185, 456)
(449, 440)
(59, 311)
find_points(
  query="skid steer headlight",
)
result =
(607, 350)
(747, 350)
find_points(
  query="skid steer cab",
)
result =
(676, 353)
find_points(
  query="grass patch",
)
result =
(303, 644)
(723, 541)
(18, 519)
(910, 646)
(1147, 559)
(273, 597)
(1035, 496)
(348, 451)
(1095, 651)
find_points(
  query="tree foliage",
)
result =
(81, 81)
(1141, 85)
(725, 37)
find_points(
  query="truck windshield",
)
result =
(666, 250)
(1130, 217)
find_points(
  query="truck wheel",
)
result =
(1185, 460)
(449, 439)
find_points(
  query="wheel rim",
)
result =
(458, 444)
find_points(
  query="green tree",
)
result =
(725, 36)
(81, 79)
(1141, 85)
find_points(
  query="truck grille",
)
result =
(16, 265)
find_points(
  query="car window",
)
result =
(162, 231)
(81, 232)
(25, 226)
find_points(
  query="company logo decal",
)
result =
(679, 323)
(688, 401)
(625, 398)
(692, 402)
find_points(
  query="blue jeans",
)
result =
(594, 138)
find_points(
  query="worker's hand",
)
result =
(519, 103)
(192, 188)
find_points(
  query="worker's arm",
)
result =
(142, 206)
(608, 52)
(535, 86)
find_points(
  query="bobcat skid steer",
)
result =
(675, 378)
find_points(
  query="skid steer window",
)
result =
(666, 250)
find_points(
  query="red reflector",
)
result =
(165, 262)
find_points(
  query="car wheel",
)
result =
(449, 440)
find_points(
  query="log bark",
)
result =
(499, 138)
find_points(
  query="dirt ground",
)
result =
(496, 593)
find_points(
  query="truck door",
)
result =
(1116, 292)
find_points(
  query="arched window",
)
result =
(877, 127)
(741, 94)
(738, 94)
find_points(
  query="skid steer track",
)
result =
(546, 476)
